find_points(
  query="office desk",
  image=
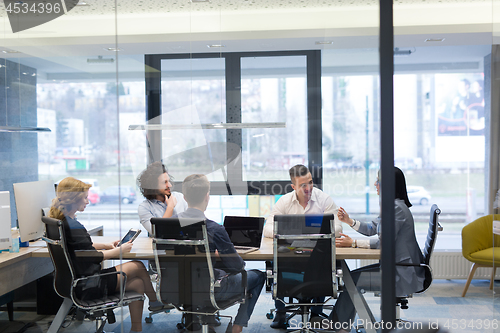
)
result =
(143, 249)
(19, 269)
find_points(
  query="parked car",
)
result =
(95, 188)
(418, 195)
(115, 193)
(93, 197)
(95, 185)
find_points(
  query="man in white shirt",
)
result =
(161, 201)
(304, 199)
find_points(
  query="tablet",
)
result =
(130, 236)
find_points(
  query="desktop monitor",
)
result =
(31, 198)
(5, 226)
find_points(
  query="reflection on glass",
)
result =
(273, 89)
(193, 92)
(437, 118)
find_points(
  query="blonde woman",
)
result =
(72, 197)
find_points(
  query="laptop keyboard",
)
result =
(243, 248)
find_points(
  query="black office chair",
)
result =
(66, 283)
(432, 231)
(304, 274)
(186, 274)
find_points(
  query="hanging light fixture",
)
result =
(161, 127)
(24, 129)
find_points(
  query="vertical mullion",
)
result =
(314, 126)
(153, 105)
(233, 115)
(387, 184)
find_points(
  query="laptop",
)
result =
(244, 232)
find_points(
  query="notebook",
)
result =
(244, 232)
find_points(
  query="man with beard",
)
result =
(161, 201)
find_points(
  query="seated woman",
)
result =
(71, 197)
(409, 279)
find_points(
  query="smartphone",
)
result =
(130, 236)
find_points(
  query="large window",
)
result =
(273, 89)
(263, 91)
(439, 138)
(193, 93)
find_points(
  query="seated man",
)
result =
(161, 201)
(304, 199)
(196, 190)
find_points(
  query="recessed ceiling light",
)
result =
(215, 45)
(434, 39)
(10, 51)
(402, 53)
(199, 1)
(82, 3)
(326, 42)
(113, 49)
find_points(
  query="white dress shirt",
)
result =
(320, 203)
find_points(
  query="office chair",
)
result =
(304, 274)
(432, 231)
(65, 283)
(186, 274)
(481, 247)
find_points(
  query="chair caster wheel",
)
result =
(269, 316)
(148, 320)
(180, 326)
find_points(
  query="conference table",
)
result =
(143, 250)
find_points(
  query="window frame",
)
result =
(233, 115)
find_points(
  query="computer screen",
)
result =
(31, 198)
(244, 231)
(5, 235)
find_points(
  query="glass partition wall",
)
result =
(300, 79)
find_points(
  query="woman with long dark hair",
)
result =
(409, 279)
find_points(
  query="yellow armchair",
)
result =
(481, 246)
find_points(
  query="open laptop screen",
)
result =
(244, 231)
